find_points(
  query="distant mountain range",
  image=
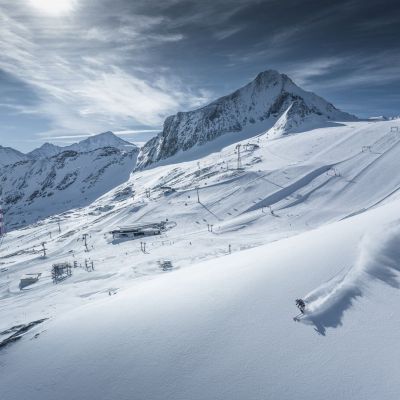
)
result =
(272, 101)
(106, 139)
(54, 179)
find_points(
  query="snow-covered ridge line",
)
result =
(53, 179)
(33, 189)
(272, 98)
(9, 155)
(106, 139)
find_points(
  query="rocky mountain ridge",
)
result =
(258, 105)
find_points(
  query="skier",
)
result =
(301, 305)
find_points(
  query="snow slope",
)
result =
(10, 156)
(223, 329)
(219, 325)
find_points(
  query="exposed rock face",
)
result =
(33, 189)
(262, 102)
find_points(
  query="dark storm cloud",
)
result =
(326, 46)
(125, 65)
(348, 43)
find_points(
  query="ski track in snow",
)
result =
(378, 259)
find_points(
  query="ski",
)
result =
(298, 317)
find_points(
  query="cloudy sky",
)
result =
(69, 68)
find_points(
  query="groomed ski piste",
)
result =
(312, 215)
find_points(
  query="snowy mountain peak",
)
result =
(270, 76)
(105, 139)
(10, 156)
(250, 110)
(44, 151)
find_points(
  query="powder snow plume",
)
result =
(378, 259)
